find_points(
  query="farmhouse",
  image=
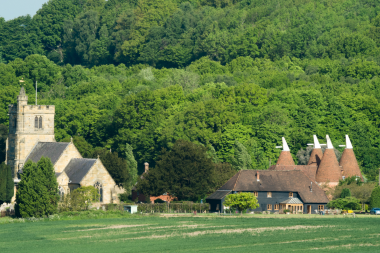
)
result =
(289, 186)
(31, 136)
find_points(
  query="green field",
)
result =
(195, 234)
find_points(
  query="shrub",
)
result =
(286, 211)
(345, 193)
(79, 199)
(243, 201)
(375, 198)
(348, 203)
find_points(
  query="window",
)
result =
(321, 207)
(256, 194)
(269, 194)
(99, 187)
(36, 122)
(269, 207)
(290, 194)
(61, 193)
(217, 207)
(276, 206)
(40, 123)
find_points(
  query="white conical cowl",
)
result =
(348, 142)
(316, 142)
(329, 143)
(285, 146)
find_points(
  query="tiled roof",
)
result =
(77, 169)
(280, 181)
(220, 194)
(309, 170)
(53, 150)
(292, 201)
(349, 163)
(329, 170)
(285, 158)
(315, 157)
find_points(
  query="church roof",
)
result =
(274, 180)
(52, 150)
(78, 168)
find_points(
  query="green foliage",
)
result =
(132, 169)
(184, 172)
(6, 184)
(345, 193)
(347, 203)
(79, 199)
(242, 201)
(37, 193)
(375, 198)
(116, 166)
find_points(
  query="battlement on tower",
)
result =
(39, 109)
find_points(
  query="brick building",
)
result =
(31, 136)
(295, 187)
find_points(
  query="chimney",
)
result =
(258, 176)
(146, 167)
(311, 186)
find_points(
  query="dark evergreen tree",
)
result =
(185, 172)
(6, 184)
(37, 194)
(116, 166)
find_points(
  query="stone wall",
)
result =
(98, 173)
(70, 152)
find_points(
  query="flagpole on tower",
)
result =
(36, 92)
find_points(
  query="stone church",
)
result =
(31, 136)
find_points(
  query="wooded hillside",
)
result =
(232, 75)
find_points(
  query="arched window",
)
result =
(61, 193)
(36, 122)
(99, 187)
(40, 123)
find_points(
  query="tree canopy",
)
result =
(234, 75)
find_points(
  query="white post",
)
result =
(36, 92)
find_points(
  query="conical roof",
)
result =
(285, 156)
(316, 155)
(348, 161)
(22, 92)
(328, 170)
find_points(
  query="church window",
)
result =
(99, 187)
(40, 122)
(61, 193)
(36, 122)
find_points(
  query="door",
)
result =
(308, 209)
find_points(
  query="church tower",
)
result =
(28, 124)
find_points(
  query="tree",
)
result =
(132, 168)
(116, 166)
(348, 203)
(242, 201)
(375, 198)
(6, 184)
(37, 194)
(184, 172)
(241, 160)
(345, 193)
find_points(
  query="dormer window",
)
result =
(290, 194)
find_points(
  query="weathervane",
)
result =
(22, 81)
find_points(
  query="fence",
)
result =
(185, 207)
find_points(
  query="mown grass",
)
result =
(137, 233)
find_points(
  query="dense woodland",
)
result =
(233, 76)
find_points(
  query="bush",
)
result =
(348, 203)
(80, 199)
(185, 207)
(345, 193)
(286, 211)
(375, 198)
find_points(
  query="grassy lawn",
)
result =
(203, 233)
